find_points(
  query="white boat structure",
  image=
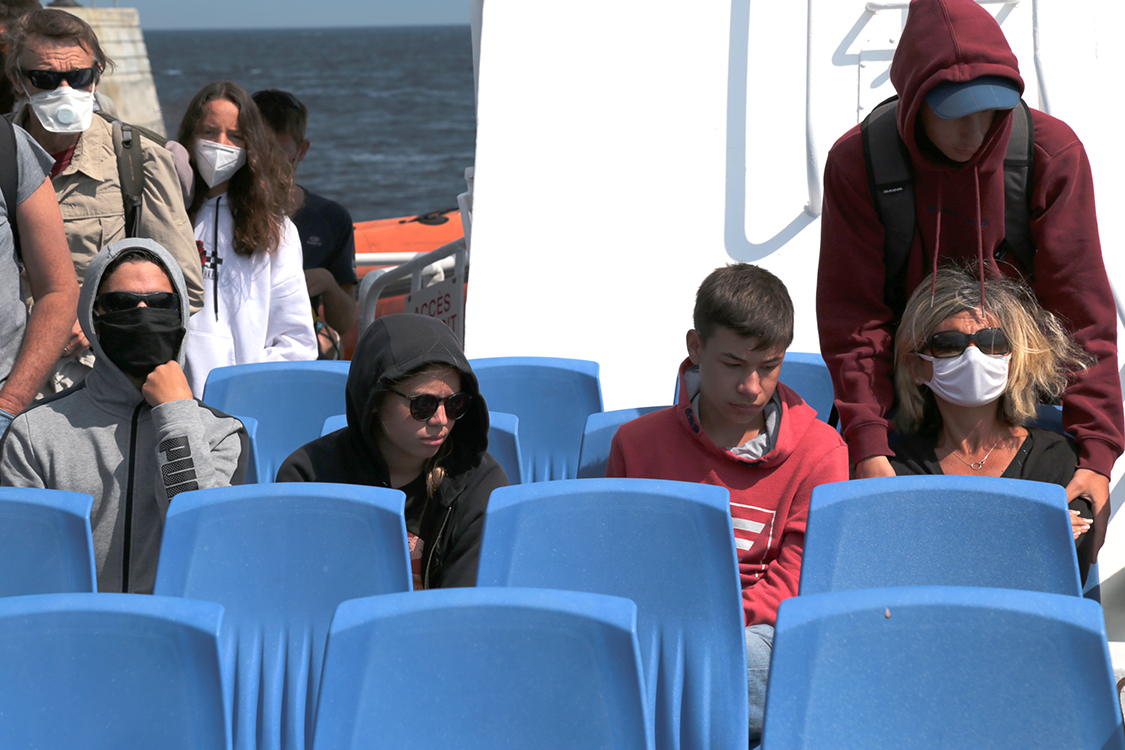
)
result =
(627, 148)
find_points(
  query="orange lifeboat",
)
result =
(407, 234)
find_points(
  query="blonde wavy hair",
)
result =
(1044, 357)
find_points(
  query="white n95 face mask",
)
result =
(217, 162)
(64, 110)
(971, 379)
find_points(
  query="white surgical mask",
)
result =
(971, 379)
(217, 162)
(64, 110)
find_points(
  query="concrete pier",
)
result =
(130, 84)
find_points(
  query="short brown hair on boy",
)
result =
(750, 301)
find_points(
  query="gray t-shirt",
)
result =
(34, 166)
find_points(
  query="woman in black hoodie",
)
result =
(416, 422)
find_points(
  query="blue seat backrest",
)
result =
(597, 438)
(939, 531)
(46, 546)
(483, 669)
(107, 671)
(552, 398)
(941, 667)
(807, 374)
(668, 546)
(290, 400)
(504, 444)
(280, 558)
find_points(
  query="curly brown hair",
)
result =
(259, 192)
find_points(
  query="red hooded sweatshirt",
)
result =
(960, 218)
(769, 496)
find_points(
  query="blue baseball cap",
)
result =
(952, 100)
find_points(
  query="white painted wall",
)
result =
(626, 148)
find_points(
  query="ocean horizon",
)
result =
(392, 118)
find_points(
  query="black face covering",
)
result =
(140, 339)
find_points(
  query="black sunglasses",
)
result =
(948, 344)
(424, 405)
(111, 302)
(49, 80)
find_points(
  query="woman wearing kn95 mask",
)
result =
(256, 307)
(968, 380)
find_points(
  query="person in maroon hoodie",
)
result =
(958, 81)
(737, 427)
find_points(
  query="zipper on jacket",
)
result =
(128, 541)
(433, 549)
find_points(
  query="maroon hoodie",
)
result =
(960, 218)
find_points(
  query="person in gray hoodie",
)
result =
(130, 434)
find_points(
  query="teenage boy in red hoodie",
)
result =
(737, 427)
(958, 83)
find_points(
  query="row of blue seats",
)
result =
(483, 668)
(547, 413)
(280, 559)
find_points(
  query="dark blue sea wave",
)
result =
(391, 112)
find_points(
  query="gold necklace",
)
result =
(977, 465)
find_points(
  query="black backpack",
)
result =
(130, 169)
(891, 180)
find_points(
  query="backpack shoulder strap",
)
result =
(891, 180)
(130, 170)
(1019, 166)
(10, 178)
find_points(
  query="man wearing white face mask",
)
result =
(55, 61)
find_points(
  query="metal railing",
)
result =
(376, 282)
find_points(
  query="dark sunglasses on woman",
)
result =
(48, 80)
(948, 344)
(424, 405)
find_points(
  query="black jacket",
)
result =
(451, 523)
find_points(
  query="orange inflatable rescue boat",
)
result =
(407, 234)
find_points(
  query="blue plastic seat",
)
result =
(807, 374)
(597, 438)
(333, 423)
(669, 547)
(483, 669)
(280, 558)
(941, 668)
(290, 400)
(109, 672)
(46, 546)
(552, 398)
(504, 444)
(939, 531)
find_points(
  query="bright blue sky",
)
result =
(259, 14)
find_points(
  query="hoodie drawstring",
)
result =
(937, 239)
(980, 234)
(215, 259)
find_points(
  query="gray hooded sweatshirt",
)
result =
(101, 437)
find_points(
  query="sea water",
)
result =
(391, 110)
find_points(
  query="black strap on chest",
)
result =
(10, 178)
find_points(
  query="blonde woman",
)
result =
(969, 376)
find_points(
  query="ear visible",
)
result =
(304, 149)
(694, 346)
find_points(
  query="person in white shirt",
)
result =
(256, 307)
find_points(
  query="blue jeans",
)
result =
(5, 420)
(759, 648)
